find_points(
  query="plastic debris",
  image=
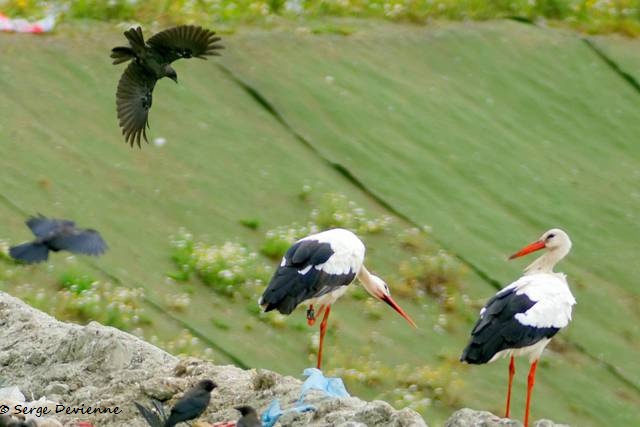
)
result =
(12, 393)
(19, 25)
(332, 387)
(274, 412)
(271, 415)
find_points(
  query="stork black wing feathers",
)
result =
(299, 279)
(498, 329)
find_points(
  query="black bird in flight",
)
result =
(152, 61)
(57, 235)
(249, 417)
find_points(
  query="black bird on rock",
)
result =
(57, 235)
(249, 417)
(192, 404)
(152, 61)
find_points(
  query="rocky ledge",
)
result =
(49, 364)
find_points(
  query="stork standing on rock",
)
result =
(316, 270)
(521, 319)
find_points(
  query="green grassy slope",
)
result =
(62, 131)
(501, 130)
(489, 133)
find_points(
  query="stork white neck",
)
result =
(547, 261)
(367, 280)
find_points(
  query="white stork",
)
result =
(316, 270)
(522, 317)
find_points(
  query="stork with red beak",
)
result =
(316, 270)
(522, 317)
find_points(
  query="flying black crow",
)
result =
(57, 235)
(192, 404)
(151, 62)
(249, 417)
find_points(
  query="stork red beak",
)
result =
(535, 246)
(396, 307)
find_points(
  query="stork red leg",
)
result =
(530, 381)
(512, 372)
(323, 330)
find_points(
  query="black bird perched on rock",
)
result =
(249, 417)
(152, 61)
(57, 235)
(192, 404)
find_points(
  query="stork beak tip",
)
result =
(396, 307)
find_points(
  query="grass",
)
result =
(479, 135)
(590, 16)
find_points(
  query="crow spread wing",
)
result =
(133, 100)
(88, 242)
(185, 41)
(42, 226)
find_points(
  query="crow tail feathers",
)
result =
(30, 253)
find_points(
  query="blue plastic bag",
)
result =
(273, 412)
(332, 387)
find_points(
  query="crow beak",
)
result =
(535, 246)
(396, 307)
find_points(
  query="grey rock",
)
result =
(470, 418)
(548, 423)
(100, 366)
(56, 388)
(49, 422)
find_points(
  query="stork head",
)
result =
(557, 244)
(554, 240)
(380, 290)
(171, 73)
